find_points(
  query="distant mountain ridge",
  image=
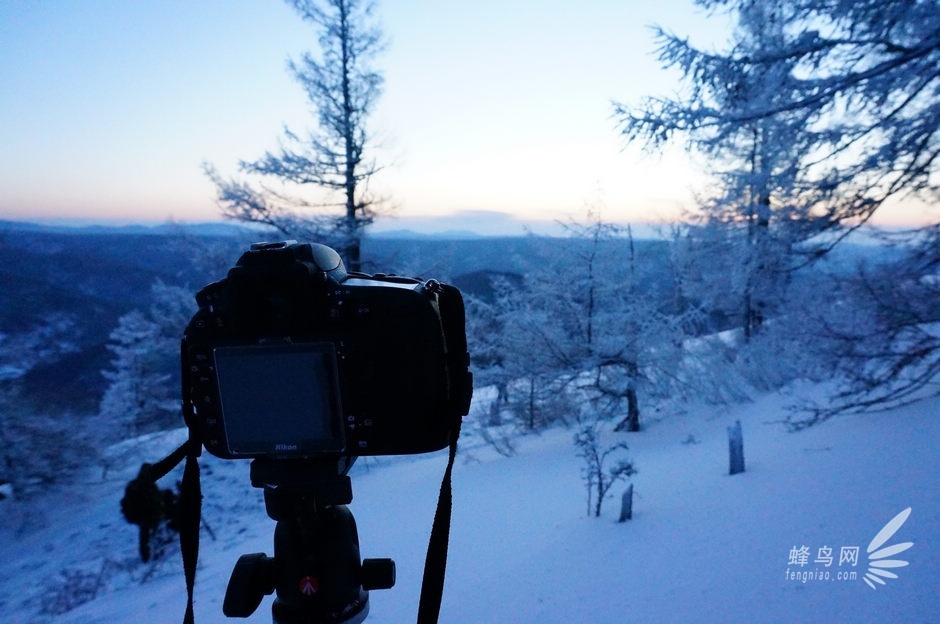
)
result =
(95, 274)
(412, 235)
(210, 228)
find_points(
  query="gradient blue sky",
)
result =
(108, 108)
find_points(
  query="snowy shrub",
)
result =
(597, 479)
(72, 588)
(500, 437)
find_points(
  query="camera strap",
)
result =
(189, 519)
(435, 564)
(461, 385)
(189, 514)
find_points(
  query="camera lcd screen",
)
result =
(280, 399)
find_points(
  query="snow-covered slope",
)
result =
(702, 547)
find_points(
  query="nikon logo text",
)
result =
(285, 447)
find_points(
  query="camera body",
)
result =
(291, 357)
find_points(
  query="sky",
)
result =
(493, 112)
(110, 108)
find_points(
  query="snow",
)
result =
(702, 546)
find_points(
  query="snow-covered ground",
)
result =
(702, 546)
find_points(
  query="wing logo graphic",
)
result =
(879, 560)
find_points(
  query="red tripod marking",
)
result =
(309, 586)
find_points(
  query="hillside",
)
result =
(703, 547)
(91, 277)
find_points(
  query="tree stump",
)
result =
(626, 504)
(735, 448)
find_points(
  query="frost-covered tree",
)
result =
(486, 337)
(142, 394)
(138, 396)
(862, 79)
(856, 84)
(591, 323)
(755, 223)
(526, 379)
(342, 86)
(881, 333)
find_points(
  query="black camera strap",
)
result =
(189, 520)
(189, 514)
(461, 385)
(435, 565)
(190, 510)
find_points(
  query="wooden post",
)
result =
(735, 448)
(626, 504)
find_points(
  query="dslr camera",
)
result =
(291, 357)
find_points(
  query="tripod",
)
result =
(316, 570)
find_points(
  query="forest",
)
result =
(595, 329)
